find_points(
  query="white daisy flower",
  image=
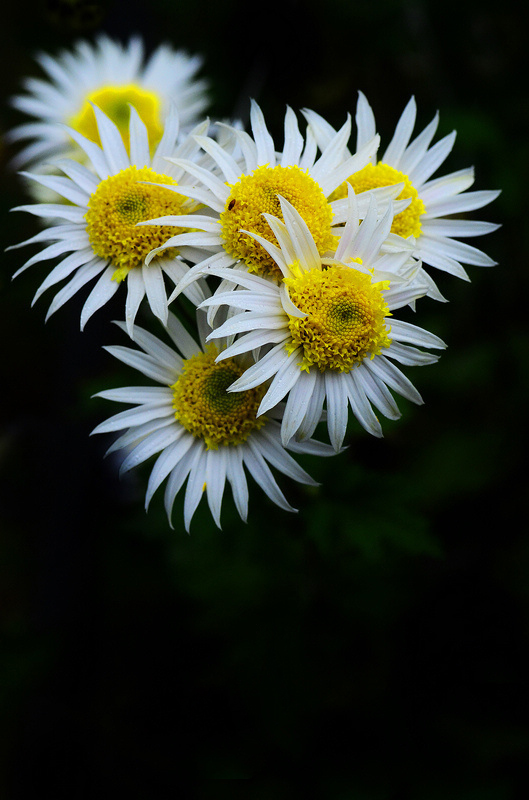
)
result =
(113, 77)
(199, 431)
(98, 229)
(247, 187)
(324, 330)
(433, 202)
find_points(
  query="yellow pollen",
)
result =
(115, 101)
(206, 409)
(120, 202)
(408, 222)
(254, 194)
(345, 320)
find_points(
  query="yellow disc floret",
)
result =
(115, 208)
(345, 320)
(408, 222)
(206, 409)
(116, 101)
(254, 194)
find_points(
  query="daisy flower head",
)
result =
(98, 225)
(200, 432)
(430, 216)
(326, 333)
(244, 185)
(113, 77)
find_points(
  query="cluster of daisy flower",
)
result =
(297, 261)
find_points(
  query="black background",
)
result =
(374, 642)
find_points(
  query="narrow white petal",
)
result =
(377, 393)
(293, 145)
(461, 228)
(365, 121)
(154, 347)
(314, 412)
(104, 289)
(402, 135)
(132, 417)
(237, 478)
(216, 465)
(139, 140)
(411, 334)
(261, 371)
(263, 141)
(360, 405)
(393, 377)
(149, 446)
(166, 462)
(409, 356)
(85, 179)
(228, 165)
(431, 254)
(469, 201)
(182, 339)
(460, 251)
(416, 150)
(135, 294)
(63, 186)
(155, 290)
(298, 403)
(111, 142)
(278, 457)
(195, 485)
(145, 364)
(285, 378)
(301, 237)
(337, 395)
(134, 435)
(138, 394)
(94, 153)
(432, 160)
(447, 186)
(262, 474)
(83, 275)
(62, 270)
(177, 477)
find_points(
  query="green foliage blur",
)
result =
(376, 640)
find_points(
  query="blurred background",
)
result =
(375, 641)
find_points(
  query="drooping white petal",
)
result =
(104, 289)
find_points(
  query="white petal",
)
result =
(215, 478)
(237, 478)
(298, 403)
(135, 294)
(402, 135)
(104, 289)
(155, 290)
(166, 462)
(336, 394)
(145, 364)
(83, 275)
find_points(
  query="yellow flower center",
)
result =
(254, 194)
(206, 409)
(408, 222)
(121, 201)
(115, 101)
(345, 320)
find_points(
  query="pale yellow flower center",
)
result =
(345, 320)
(372, 176)
(254, 194)
(206, 409)
(115, 101)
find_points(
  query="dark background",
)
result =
(375, 642)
